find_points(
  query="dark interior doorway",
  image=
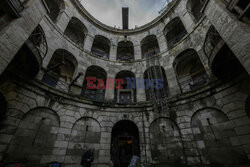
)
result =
(3, 108)
(124, 143)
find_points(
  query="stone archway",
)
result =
(34, 138)
(213, 133)
(166, 142)
(124, 143)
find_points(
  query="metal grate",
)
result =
(39, 41)
(157, 97)
(211, 41)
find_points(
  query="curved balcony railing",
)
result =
(96, 95)
(176, 39)
(151, 53)
(195, 82)
(54, 81)
(125, 57)
(99, 53)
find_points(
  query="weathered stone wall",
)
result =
(211, 124)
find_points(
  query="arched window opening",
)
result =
(213, 133)
(99, 77)
(101, 47)
(248, 106)
(166, 142)
(195, 7)
(34, 138)
(241, 8)
(60, 71)
(190, 71)
(159, 90)
(174, 32)
(127, 94)
(76, 31)
(226, 66)
(149, 46)
(54, 7)
(125, 51)
(124, 143)
(38, 39)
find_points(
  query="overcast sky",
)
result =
(109, 11)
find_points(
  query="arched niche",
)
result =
(85, 134)
(195, 7)
(54, 7)
(213, 133)
(76, 31)
(101, 46)
(149, 46)
(128, 92)
(174, 32)
(60, 70)
(125, 51)
(125, 142)
(153, 90)
(99, 76)
(166, 142)
(189, 70)
(34, 138)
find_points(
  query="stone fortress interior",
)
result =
(201, 116)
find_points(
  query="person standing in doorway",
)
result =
(88, 158)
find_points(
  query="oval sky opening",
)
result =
(109, 12)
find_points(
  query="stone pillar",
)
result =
(162, 42)
(104, 150)
(140, 90)
(77, 87)
(113, 53)
(146, 157)
(137, 51)
(110, 93)
(204, 61)
(88, 43)
(63, 20)
(173, 85)
(188, 22)
(48, 57)
(63, 140)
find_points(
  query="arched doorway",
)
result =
(124, 143)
